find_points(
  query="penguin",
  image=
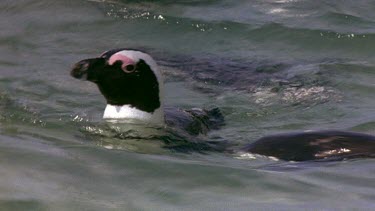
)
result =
(325, 145)
(133, 87)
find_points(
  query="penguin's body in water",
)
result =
(314, 145)
(133, 87)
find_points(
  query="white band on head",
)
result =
(137, 55)
(120, 57)
(124, 59)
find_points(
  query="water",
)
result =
(271, 66)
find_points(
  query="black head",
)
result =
(124, 77)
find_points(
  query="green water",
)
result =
(270, 66)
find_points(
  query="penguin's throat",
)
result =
(127, 112)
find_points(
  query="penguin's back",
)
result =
(194, 121)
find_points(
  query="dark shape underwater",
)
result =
(315, 145)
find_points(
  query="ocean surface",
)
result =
(271, 66)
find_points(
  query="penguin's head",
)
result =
(124, 77)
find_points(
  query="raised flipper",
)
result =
(316, 145)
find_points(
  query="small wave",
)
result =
(148, 139)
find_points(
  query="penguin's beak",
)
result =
(79, 70)
(86, 69)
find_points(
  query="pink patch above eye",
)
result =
(119, 57)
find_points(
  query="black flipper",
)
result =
(205, 120)
(216, 119)
(194, 121)
(317, 145)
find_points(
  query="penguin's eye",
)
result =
(129, 68)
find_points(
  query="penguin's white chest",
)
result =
(128, 112)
